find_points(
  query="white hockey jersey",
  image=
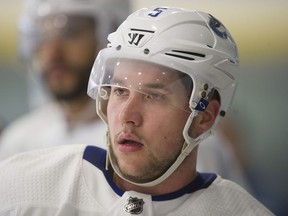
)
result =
(72, 180)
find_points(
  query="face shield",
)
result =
(158, 85)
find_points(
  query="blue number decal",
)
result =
(156, 12)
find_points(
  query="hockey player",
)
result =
(162, 85)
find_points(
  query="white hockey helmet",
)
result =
(108, 14)
(188, 41)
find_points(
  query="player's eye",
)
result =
(121, 91)
(155, 96)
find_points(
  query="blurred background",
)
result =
(258, 113)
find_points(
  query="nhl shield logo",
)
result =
(134, 205)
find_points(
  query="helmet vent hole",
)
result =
(187, 55)
(142, 30)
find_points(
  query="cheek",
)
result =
(109, 113)
(169, 126)
(169, 143)
(112, 116)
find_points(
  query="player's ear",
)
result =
(204, 120)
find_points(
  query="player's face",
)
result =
(146, 127)
(66, 55)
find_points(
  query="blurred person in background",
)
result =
(59, 40)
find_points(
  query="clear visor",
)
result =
(156, 83)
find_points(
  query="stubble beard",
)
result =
(146, 173)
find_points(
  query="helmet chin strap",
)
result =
(188, 146)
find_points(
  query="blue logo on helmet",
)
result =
(218, 27)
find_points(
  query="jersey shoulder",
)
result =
(225, 197)
(39, 175)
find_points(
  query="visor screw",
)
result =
(203, 94)
(205, 86)
(118, 47)
(222, 113)
(146, 51)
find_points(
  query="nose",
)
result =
(50, 50)
(131, 111)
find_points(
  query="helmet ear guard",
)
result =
(192, 42)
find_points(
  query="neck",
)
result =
(184, 175)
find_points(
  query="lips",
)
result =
(58, 68)
(129, 143)
(57, 71)
(127, 139)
